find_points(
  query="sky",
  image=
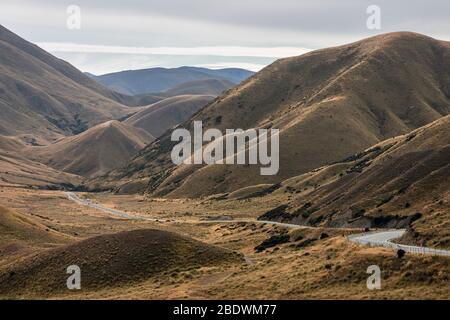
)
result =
(136, 34)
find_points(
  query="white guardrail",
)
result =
(383, 239)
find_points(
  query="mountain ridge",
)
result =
(155, 80)
(47, 97)
(398, 183)
(322, 106)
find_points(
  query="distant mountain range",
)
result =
(153, 80)
(52, 114)
(47, 98)
(212, 87)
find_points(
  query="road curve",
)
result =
(376, 238)
(86, 202)
(121, 214)
(384, 239)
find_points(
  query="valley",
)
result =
(360, 177)
(308, 265)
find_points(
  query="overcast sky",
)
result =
(135, 34)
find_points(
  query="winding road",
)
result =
(121, 214)
(376, 238)
(384, 239)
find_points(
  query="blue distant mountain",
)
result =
(153, 80)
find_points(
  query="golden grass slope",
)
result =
(18, 170)
(399, 183)
(212, 87)
(328, 104)
(157, 118)
(11, 144)
(112, 261)
(96, 151)
(16, 227)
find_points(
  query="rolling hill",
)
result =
(95, 151)
(112, 260)
(327, 104)
(17, 170)
(212, 87)
(16, 227)
(135, 82)
(165, 114)
(46, 97)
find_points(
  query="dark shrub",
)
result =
(272, 242)
(323, 235)
(400, 253)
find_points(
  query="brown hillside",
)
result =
(15, 227)
(47, 97)
(211, 87)
(112, 260)
(163, 115)
(328, 104)
(100, 149)
(11, 144)
(399, 183)
(16, 170)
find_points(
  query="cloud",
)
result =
(180, 29)
(101, 63)
(101, 59)
(273, 52)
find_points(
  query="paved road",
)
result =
(384, 239)
(376, 239)
(86, 202)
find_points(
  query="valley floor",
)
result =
(303, 263)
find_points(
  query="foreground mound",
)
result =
(111, 260)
